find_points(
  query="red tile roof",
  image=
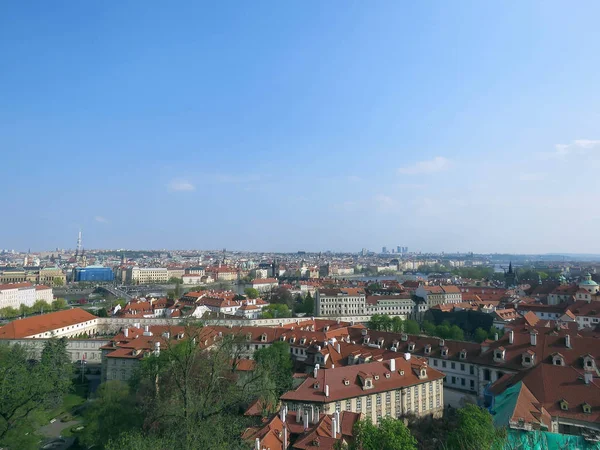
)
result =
(30, 326)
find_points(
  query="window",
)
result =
(462, 381)
(462, 367)
(444, 364)
(388, 397)
(369, 402)
(472, 370)
(453, 365)
(348, 405)
(587, 408)
(378, 400)
(338, 406)
(472, 384)
(435, 362)
(453, 380)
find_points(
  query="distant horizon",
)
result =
(302, 125)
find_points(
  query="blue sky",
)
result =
(269, 125)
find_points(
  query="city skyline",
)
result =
(285, 127)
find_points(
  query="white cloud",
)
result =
(180, 185)
(532, 176)
(437, 164)
(577, 147)
(384, 202)
(101, 219)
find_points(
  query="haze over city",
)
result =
(281, 126)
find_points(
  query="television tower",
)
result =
(79, 249)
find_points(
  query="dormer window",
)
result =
(249, 336)
(402, 373)
(589, 363)
(302, 341)
(387, 375)
(316, 385)
(587, 408)
(346, 382)
(423, 373)
(427, 349)
(463, 354)
(292, 340)
(499, 354)
(376, 377)
(263, 337)
(564, 405)
(445, 351)
(411, 347)
(528, 359)
(558, 360)
(282, 338)
(380, 341)
(404, 337)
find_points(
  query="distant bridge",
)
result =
(118, 293)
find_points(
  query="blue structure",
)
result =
(93, 273)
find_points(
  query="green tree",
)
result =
(282, 295)
(493, 331)
(28, 387)
(41, 306)
(411, 327)
(275, 310)
(136, 440)
(111, 413)
(275, 369)
(480, 335)
(251, 292)
(386, 323)
(9, 313)
(58, 281)
(24, 310)
(456, 333)
(375, 322)
(308, 305)
(59, 303)
(397, 324)
(429, 328)
(442, 331)
(475, 430)
(102, 312)
(391, 434)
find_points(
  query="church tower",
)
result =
(510, 277)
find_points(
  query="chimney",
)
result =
(442, 342)
(407, 356)
(568, 341)
(533, 337)
(333, 428)
(338, 348)
(257, 444)
(285, 438)
(282, 413)
(336, 415)
(392, 365)
(495, 336)
(157, 348)
(146, 328)
(511, 337)
(326, 390)
(305, 417)
(126, 332)
(588, 377)
(315, 371)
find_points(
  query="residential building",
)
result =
(222, 273)
(175, 272)
(147, 275)
(16, 294)
(439, 295)
(264, 284)
(396, 387)
(391, 305)
(12, 275)
(67, 323)
(193, 279)
(340, 302)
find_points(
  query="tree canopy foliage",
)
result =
(391, 434)
(28, 387)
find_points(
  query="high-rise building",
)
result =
(384, 250)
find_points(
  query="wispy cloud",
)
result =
(578, 146)
(437, 164)
(532, 176)
(180, 186)
(101, 219)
